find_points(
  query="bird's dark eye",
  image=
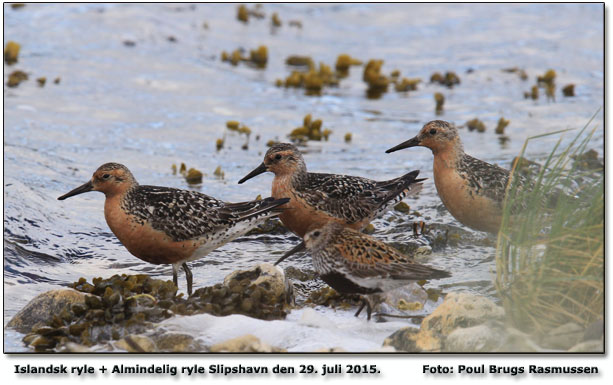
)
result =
(432, 131)
(278, 156)
(106, 176)
(316, 234)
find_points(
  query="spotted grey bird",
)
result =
(317, 199)
(472, 190)
(354, 263)
(163, 225)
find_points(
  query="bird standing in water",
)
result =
(472, 190)
(355, 263)
(163, 225)
(317, 199)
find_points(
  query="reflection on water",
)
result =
(156, 102)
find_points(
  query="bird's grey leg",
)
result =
(357, 313)
(174, 276)
(189, 276)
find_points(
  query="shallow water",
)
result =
(161, 102)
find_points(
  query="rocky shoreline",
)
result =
(127, 314)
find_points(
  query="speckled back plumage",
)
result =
(352, 198)
(368, 263)
(185, 215)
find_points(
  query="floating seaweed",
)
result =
(219, 173)
(406, 84)
(16, 77)
(348, 137)
(193, 176)
(502, 123)
(41, 81)
(377, 82)
(569, 90)
(440, 101)
(313, 81)
(219, 144)
(275, 20)
(475, 124)
(344, 62)
(11, 52)
(310, 130)
(57, 80)
(300, 61)
(258, 58)
(450, 79)
(242, 14)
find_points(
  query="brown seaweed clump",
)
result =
(502, 124)
(569, 90)
(11, 52)
(310, 130)
(41, 81)
(450, 79)
(547, 81)
(114, 308)
(406, 84)
(245, 293)
(313, 80)
(439, 99)
(343, 62)
(193, 176)
(475, 124)
(326, 296)
(16, 77)
(257, 58)
(300, 61)
(376, 81)
(242, 14)
(275, 20)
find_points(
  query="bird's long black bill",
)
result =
(79, 190)
(258, 170)
(409, 143)
(300, 247)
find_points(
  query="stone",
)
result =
(177, 342)
(516, 341)
(486, 337)
(404, 340)
(461, 310)
(267, 276)
(43, 307)
(245, 344)
(135, 343)
(563, 337)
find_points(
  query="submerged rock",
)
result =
(245, 344)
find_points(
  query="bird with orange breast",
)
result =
(472, 190)
(163, 225)
(317, 198)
